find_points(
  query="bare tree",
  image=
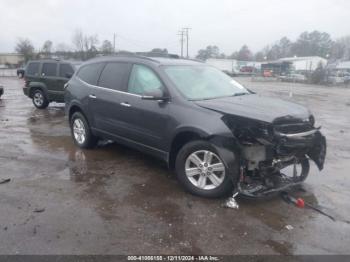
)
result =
(107, 47)
(208, 52)
(244, 54)
(78, 40)
(26, 48)
(85, 45)
(341, 49)
(47, 48)
(63, 47)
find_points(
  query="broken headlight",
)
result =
(249, 131)
(254, 134)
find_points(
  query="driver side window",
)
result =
(143, 80)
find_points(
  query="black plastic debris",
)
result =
(4, 181)
(39, 210)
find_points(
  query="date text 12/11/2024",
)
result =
(173, 258)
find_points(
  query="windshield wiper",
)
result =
(240, 94)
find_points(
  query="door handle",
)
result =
(126, 104)
(92, 96)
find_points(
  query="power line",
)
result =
(182, 34)
(186, 30)
(114, 37)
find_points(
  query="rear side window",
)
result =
(66, 69)
(33, 69)
(114, 75)
(49, 69)
(90, 73)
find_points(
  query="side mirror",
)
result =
(157, 94)
(68, 75)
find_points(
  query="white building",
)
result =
(227, 65)
(345, 65)
(12, 59)
(305, 63)
(231, 66)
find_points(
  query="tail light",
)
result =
(26, 82)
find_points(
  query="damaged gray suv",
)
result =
(217, 135)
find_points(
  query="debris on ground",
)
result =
(297, 202)
(320, 211)
(39, 210)
(3, 181)
(289, 227)
(301, 204)
(231, 202)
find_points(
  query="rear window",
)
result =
(33, 69)
(49, 69)
(66, 69)
(90, 73)
(114, 75)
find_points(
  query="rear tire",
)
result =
(81, 132)
(39, 99)
(201, 170)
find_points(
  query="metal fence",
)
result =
(8, 72)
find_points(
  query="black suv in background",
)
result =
(45, 80)
(215, 133)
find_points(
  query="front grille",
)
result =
(293, 128)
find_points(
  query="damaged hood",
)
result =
(256, 107)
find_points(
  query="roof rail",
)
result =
(126, 54)
(158, 54)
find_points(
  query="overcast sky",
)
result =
(144, 24)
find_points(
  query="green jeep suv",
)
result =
(45, 80)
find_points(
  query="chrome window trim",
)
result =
(107, 89)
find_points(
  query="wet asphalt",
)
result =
(114, 200)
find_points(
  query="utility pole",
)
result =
(182, 34)
(186, 30)
(114, 37)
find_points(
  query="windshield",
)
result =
(203, 82)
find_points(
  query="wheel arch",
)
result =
(226, 145)
(181, 138)
(73, 109)
(37, 85)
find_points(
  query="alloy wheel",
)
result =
(79, 131)
(205, 170)
(38, 99)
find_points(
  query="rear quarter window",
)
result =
(114, 76)
(49, 69)
(90, 73)
(32, 69)
(65, 69)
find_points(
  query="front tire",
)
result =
(39, 99)
(81, 131)
(201, 170)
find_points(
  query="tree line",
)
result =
(313, 43)
(83, 47)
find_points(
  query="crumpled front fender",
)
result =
(229, 152)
